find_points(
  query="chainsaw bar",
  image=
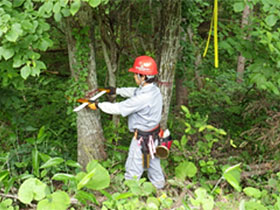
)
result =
(78, 108)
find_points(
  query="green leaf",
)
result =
(41, 132)
(63, 177)
(186, 110)
(75, 6)
(56, 8)
(7, 53)
(238, 6)
(30, 189)
(63, 3)
(97, 177)
(48, 6)
(271, 20)
(35, 162)
(252, 192)
(73, 164)
(83, 197)
(52, 162)
(94, 3)
(25, 71)
(86, 179)
(232, 175)
(14, 33)
(184, 140)
(17, 61)
(57, 201)
(185, 169)
(44, 157)
(148, 188)
(17, 3)
(3, 175)
(57, 17)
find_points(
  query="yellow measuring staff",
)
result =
(215, 20)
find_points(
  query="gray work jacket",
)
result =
(143, 107)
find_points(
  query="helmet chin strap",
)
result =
(144, 81)
(140, 79)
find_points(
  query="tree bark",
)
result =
(90, 133)
(241, 59)
(168, 51)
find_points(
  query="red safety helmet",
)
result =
(144, 65)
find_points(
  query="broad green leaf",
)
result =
(17, 61)
(101, 178)
(185, 169)
(48, 6)
(17, 3)
(75, 6)
(35, 162)
(44, 43)
(14, 33)
(44, 157)
(7, 53)
(65, 12)
(63, 3)
(35, 71)
(97, 177)
(83, 197)
(25, 71)
(57, 17)
(153, 200)
(73, 164)
(94, 3)
(148, 188)
(57, 201)
(254, 205)
(52, 162)
(232, 175)
(30, 189)
(271, 20)
(252, 192)
(63, 177)
(86, 179)
(238, 6)
(56, 7)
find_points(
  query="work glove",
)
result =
(109, 90)
(92, 105)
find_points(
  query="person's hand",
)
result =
(93, 106)
(109, 90)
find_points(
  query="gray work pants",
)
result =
(134, 167)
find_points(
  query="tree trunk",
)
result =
(90, 133)
(241, 59)
(168, 51)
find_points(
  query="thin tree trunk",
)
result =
(241, 59)
(90, 133)
(168, 51)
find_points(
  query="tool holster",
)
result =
(147, 139)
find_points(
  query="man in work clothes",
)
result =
(143, 108)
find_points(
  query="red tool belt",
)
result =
(147, 139)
